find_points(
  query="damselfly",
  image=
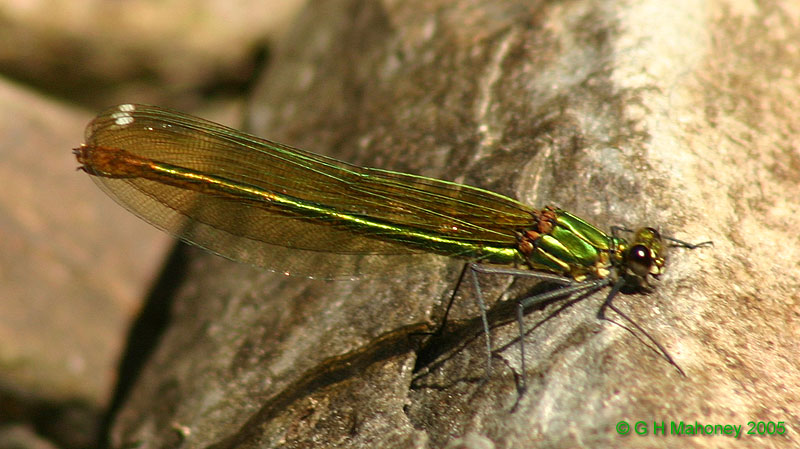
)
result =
(271, 205)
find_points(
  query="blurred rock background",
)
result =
(75, 268)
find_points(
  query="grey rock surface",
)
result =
(680, 116)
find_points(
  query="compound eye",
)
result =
(654, 234)
(639, 260)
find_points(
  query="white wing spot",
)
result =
(123, 115)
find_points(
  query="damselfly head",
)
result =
(645, 256)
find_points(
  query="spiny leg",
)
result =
(516, 272)
(608, 303)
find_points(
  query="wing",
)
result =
(272, 236)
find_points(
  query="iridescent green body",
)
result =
(578, 249)
(245, 198)
(282, 208)
(573, 247)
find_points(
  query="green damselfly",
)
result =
(271, 205)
